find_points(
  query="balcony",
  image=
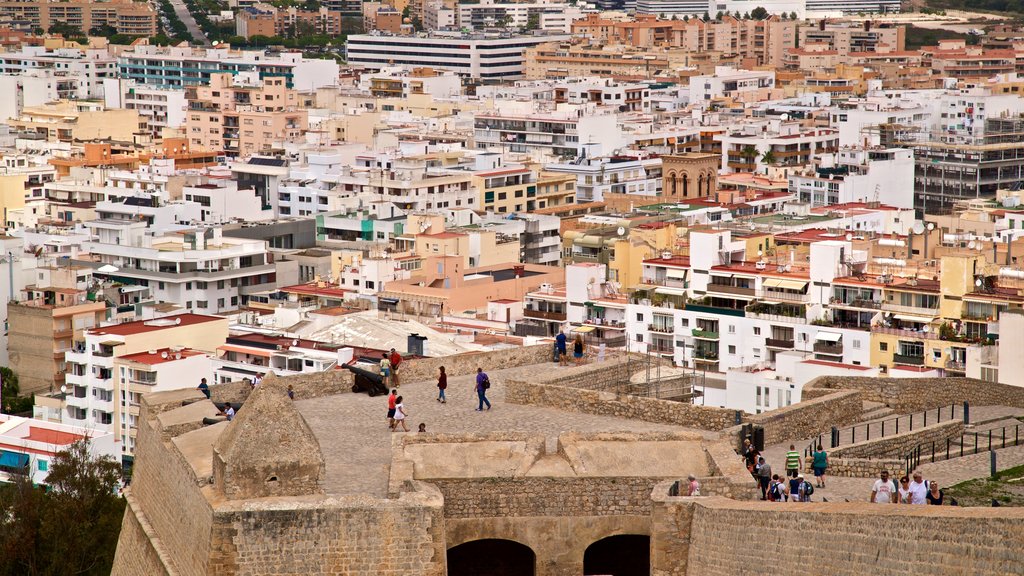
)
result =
(705, 334)
(926, 312)
(858, 303)
(542, 315)
(725, 289)
(956, 365)
(661, 328)
(707, 355)
(605, 323)
(775, 295)
(908, 359)
(779, 343)
(828, 348)
(904, 333)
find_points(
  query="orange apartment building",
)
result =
(243, 116)
(95, 155)
(125, 16)
(762, 41)
(266, 20)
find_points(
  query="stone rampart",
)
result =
(809, 417)
(423, 369)
(907, 395)
(138, 546)
(726, 538)
(863, 467)
(899, 445)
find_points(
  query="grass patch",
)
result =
(1007, 488)
(918, 37)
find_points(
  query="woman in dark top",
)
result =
(577, 349)
(934, 495)
(442, 384)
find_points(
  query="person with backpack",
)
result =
(776, 489)
(483, 384)
(805, 490)
(793, 487)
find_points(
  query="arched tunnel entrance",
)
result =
(491, 557)
(623, 555)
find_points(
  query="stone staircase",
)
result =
(874, 411)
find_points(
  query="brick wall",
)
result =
(620, 405)
(511, 497)
(848, 539)
(809, 417)
(905, 395)
(170, 495)
(863, 468)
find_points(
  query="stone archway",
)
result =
(493, 557)
(686, 185)
(620, 555)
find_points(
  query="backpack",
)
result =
(808, 489)
(486, 383)
(775, 492)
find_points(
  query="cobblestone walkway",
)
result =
(356, 443)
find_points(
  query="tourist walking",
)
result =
(819, 462)
(776, 489)
(792, 462)
(883, 491)
(204, 388)
(560, 347)
(385, 369)
(903, 494)
(764, 475)
(692, 486)
(291, 392)
(750, 455)
(805, 490)
(400, 415)
(918, 489)
(483, 384)
(396, 360)
(794, 487)
(577, 349)
(442, 385)
(392, 397)
(934, 496)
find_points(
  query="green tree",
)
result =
(719, 16)
(784, 16)
(70, 529)
(746, 15)
(768, 157)
(533, 21)
(12, 403)
(792, 15)
(748, 153)
(759, 13)
(65, 30)
(707, 17)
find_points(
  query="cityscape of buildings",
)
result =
(750, 200)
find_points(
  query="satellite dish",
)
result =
(177, 320)
(163, 355)
(931, 226)
(785, 117)
(621, 231)
(295, 342)
(63, 389)
(215, 42)
(849, 236)
(970, 245)
(978, 282)
(918, 228)
(760, 253)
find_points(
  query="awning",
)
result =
(244, 350)
(111, 343)
(13, 459)
(828, 336)
(670, 291)
(792, 284)
(583, 329)
(388, 300)
(772, 283)
(676, 273)
(918, 319)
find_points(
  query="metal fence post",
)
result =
(835, 437)
(967, 412)
(992, 462)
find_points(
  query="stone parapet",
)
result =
(907, 395)
(899, 445)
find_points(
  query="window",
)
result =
(200, 303)
(188, 285)
(43, 465)
(369, 284)
(732, 328)
(732, 350)
(883, 346)
(639, 317)
(757, 330)
(639, 337)
(234, 300)
(856, 344)
(220, 303)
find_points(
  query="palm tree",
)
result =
(748, 153)
(768, 158)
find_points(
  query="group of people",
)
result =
(916, 491)
(389, 364)
(562, 349)
(791, 487)
(397, 412)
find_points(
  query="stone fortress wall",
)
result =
(208, 500)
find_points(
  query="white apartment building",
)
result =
(76, 74)
(219, 201)
(549, 133)
(96, 397)
(729, 82)
(32, 88)
(437, 16)
(596, 177)
(29, 446)
(196, 268)
(251, 355)
(489, 57)
(858, 175)
(366, 276)
(408, 185)
(674, 7)
(180, 66)
(790, 145)
(445, 84)
(550, 15)
(162, 107)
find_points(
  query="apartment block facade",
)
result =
(125, 16)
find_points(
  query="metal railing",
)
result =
(967, 444)
(890, 426)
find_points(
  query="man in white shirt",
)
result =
(918, 489)
(884, 491)
(230, 413)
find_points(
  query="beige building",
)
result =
(125, 16)
(243, 118)
(847, 37)
(692, 175)
(71, 120)
(43, 323)
(266, 20)
(519, 189)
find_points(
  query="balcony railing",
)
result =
(705, 334)
(542, 315)
(858, 303)
(929, 312)
(778, 343)
(957, 365)
(904, 333)
(908, 359)
(827, 348)
(784, 296)
(662, 328)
